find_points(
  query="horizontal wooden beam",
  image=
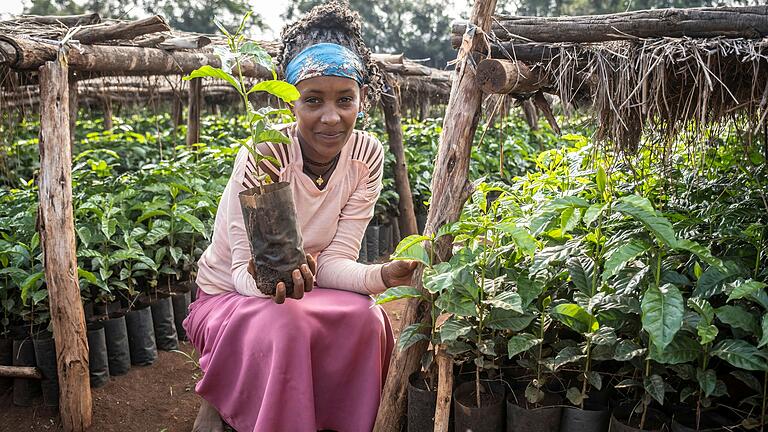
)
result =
(750, 22)
(67, 20)
(24, 372)
(121, 30)
(27, 54)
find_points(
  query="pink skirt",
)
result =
(309, 364)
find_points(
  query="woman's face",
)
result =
(326, 113)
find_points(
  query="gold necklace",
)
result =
(319, 180)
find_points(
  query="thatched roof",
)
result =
(661, 85)
(144, 60)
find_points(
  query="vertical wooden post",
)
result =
(450, 189)
(73, 102)
(193, 118)
(444, 389)
(107, 106)
(177, 111)
(390, 103)
(57, 235)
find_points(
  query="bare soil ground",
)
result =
(156, 398)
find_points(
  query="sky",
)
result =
(269, 9)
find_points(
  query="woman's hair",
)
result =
(332, 22)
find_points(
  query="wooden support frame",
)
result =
(57, 237)
(390, 103)
(450, 189)
(193, 116)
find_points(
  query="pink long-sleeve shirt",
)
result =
(332, 220)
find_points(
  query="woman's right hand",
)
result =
(303, 280)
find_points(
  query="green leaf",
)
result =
(712, 281)
(662, 313)
(157, 233)
(702, 252)
(593, 212)
(412, 248)
(604, 336)
(640, 209)
(574, 396)
(397, 293)
(207, 71)
(410, 335)
(703, 308)
(454, 302)
(567, 355)
(749, 379)
(744, 288)
(707, 332)
(764, 338)
(29, 283)
(595, 379)
(569, 219)
(626, 350)
(707, 381)
(683, 349)
(508, 300)
(272, 136)
(654, 385)
(176, 254)
(738, 317)
(619, 257)
(258, 54)
(522, 239)
(500, 319)
(453, 329)
(520, 343)
(601, 179)
(529, 290)
(151, 214)
(581, 270)
(281, 89)
(740, 354)
(194, 222)
(575, 317)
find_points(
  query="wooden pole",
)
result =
(390, 102)
(24, 372)
(177, 111)
(73, 105)
(450, 189)
(106, 102)
(444, 389)
(122, 30)
(749, 22)
(57, 236)
(193, 117)
(29, 54)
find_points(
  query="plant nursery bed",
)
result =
(156, 398)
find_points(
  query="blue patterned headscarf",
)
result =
(325, 59)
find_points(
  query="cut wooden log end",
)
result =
(497, 76)
(24, 372)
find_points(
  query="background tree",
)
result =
(420, 29)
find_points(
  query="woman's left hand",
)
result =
(397, 273)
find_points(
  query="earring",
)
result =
(360, 115)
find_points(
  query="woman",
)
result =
(316, 360)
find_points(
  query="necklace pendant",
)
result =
(319, 181)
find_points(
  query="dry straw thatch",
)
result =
(661, 89)
(665, 86)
